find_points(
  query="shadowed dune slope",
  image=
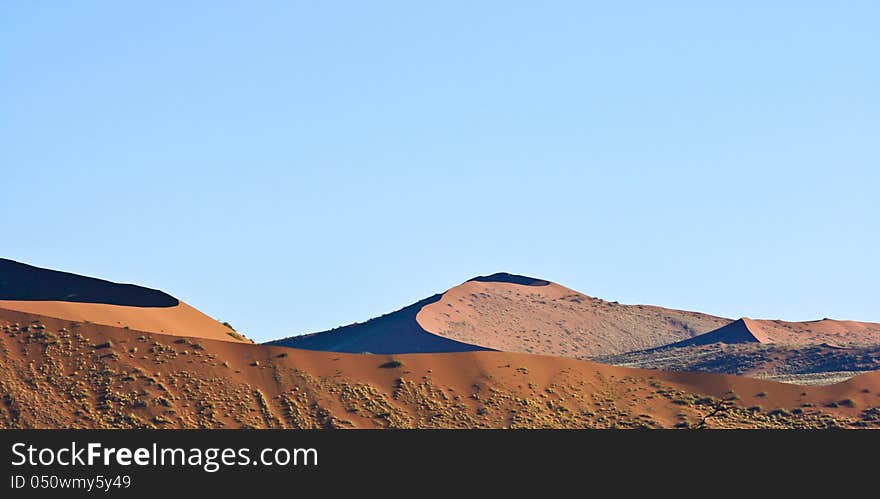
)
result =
(71, 297)
(511, 279)
(739, 331)
(397, 332)
(63, 374)
(22, 282)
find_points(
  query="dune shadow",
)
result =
(394, 333)
(511, 279)
(22, 282)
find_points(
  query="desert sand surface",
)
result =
(65, 374)
(181, 319)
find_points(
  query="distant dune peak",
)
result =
(505, 277)
(513, 313)
(22, 282)
(743, 330)
(747, 330)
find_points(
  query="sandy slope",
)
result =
(63, 374)
(555, 320)
(181, 319)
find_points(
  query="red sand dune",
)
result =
(181, 319)
(72, 297)
(826, 331)
(60, 374)
(555, 320)
(516, 314)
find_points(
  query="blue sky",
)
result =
(291, 167)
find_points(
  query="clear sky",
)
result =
(294, 166)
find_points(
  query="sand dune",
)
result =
(823, 332)
(555, 320)
(72, 297)
(94, 376)
(517, 314)
(827, 331)
(182, 319)
(22, 282)
(816, 352)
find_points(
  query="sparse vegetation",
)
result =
(153, 384)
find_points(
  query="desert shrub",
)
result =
(107, 344)
(235, 335)
(847, 403)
